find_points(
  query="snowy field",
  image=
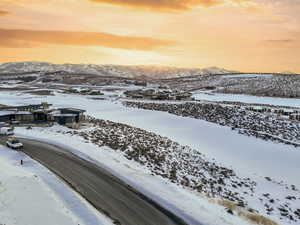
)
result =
(248, 156)
(30, 194)
(251, 155)
(247, 75)
(292, 102)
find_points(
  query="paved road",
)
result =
(105, 192)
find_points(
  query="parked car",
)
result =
(6, 131)
(14, 143)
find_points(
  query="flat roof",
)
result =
(6, 113)
(23, 113)
(64, 115)
(73, 109)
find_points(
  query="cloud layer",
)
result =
(31, 38)
(168, 5)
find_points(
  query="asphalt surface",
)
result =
(105, 192)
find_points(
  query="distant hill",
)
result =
(289, 73)
(142, 72)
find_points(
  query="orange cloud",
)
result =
(3, 12)
(32, 38)
(164, 5)
(168, 5)
(156, 5)
(280, 43)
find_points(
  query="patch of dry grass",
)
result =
(228, 204)
(252, 217)
(257, 219)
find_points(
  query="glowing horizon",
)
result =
(242, 35)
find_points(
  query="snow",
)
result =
(169, 195)
(7, 113)
(30, 194)
(292, 102)
(251, 155)
(248, 156)
(109, 70)
(23, 113)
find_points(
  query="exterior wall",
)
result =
(63, 120)
(40, 117)
(69, 120)
(5, 118)
(25, 118)
(79, 115)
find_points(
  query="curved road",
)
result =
(105, 192)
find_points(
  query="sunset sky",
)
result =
(245, 35)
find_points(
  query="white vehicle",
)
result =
(14, 143)
(6, 131)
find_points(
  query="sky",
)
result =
(243, 35)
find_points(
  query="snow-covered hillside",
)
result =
(276, 186)
(272, 85)
(153, 72)
(219, 97)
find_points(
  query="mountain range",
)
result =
(140, 71)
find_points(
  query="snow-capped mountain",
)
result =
(157, 72)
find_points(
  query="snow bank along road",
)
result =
(105, 192)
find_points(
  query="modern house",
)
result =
(155, 94)
(41, 114)
(77, 113)
(65, 119)
(260, 109)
